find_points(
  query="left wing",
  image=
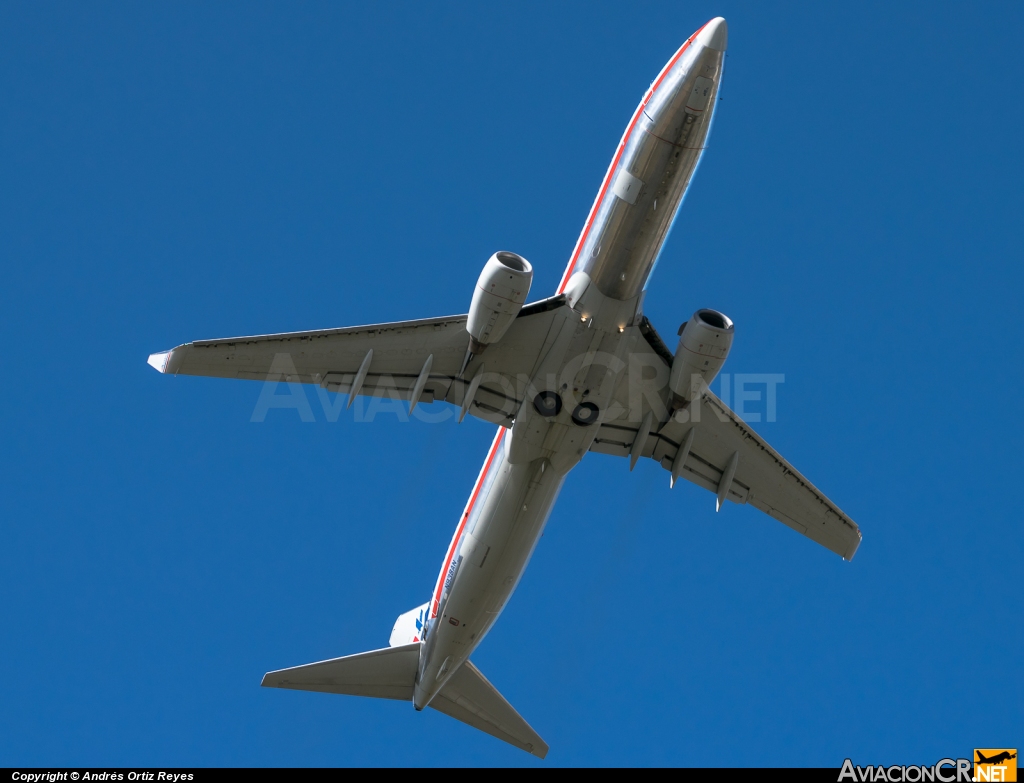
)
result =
(338, 359)
(725, 456)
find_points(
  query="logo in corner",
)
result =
(995, 764)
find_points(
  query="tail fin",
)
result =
(409, 626)
(470, 698)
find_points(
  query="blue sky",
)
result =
(175, 172)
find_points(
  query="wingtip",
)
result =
(158, 361)
(169, 362)
(849, 556)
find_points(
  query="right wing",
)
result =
(719, 438)
(763, 477)
(332, 358)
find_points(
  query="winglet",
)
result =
(158, 361)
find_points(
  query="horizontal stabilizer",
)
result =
(470, 698)
(391, 674)
(386, 674)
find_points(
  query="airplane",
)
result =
(583, 370)
(996, 759)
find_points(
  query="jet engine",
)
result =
(500, 292)
(704, 343)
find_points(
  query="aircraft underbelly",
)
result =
(500, 546)
(490, 559)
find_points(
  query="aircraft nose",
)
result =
(715, 34)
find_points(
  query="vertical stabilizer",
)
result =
(409, 627)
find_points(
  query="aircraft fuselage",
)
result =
(604, 284)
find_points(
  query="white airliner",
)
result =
(580, 371)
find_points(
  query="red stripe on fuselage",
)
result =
(435, 604)
(618, 154)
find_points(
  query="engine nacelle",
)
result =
(500, 292)
(704, 343)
